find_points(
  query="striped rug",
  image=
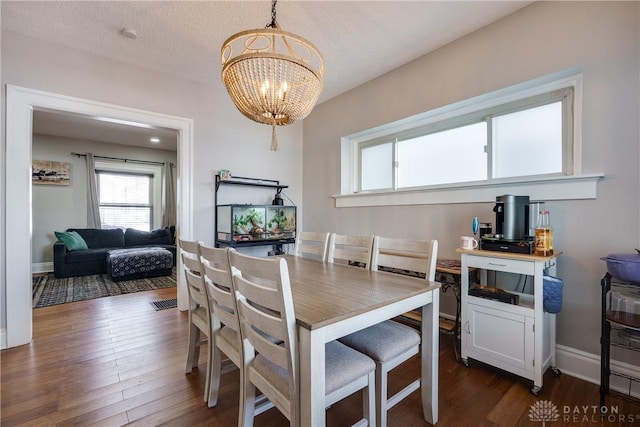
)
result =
(47, 290)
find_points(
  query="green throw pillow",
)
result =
(72, 240)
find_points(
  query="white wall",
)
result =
(546, 37)
(223, 138)
(56, 208)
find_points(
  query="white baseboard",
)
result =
(586, 366)
(3, 339)
(41, 267)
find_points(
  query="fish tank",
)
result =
(255, 224)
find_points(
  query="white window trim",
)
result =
(560, 187)
(151, 169)
(546, 188)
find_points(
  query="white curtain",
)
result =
(93, 207)
(168, 196)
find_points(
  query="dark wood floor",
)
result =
(116, 361)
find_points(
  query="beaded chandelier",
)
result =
(272, 76)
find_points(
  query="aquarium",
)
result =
(253, 224)
(281, 221)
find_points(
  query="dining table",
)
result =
(333, 300)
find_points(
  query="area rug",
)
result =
(47, 290)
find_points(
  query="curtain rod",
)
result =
(149, 162)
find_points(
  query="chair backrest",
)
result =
(312, 244)
(190, 254)
(265, 308)
(217, 279)
(413, 257)
(351, 250)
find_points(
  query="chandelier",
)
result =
(272, 76)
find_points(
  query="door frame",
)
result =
(17, 183)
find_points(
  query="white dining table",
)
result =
(334, 300)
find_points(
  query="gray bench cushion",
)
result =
(383, 341)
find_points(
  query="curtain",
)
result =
(168, 196)
(93, 207)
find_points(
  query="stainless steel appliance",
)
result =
(512, 226)
(512, 217)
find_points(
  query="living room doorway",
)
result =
(21, 102)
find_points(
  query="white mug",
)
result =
(468, 242)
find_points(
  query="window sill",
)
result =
(548, 188)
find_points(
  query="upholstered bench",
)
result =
(137, 263)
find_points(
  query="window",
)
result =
(125, 199)
(129, 194)
(523, 139)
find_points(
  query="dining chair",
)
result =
(267, 314)
(350, 250)
(199, 315)
(391, 343)
(225, 325)
(312, 244)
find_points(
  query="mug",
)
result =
(468, 242)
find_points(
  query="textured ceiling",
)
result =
(360, 40)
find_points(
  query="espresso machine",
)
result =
(512, 226)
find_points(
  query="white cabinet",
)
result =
(517, 338)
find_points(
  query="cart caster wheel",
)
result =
(556, 371)
(535, 390)
(466, 363)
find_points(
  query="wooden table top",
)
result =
(325, 293)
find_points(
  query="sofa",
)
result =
(93, 260)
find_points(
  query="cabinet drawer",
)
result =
(501, 264)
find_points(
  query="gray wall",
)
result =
(56, 208)
(223, 138)
(546, 37)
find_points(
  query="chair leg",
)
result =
(369, 401)
(214, 371)
(243, 398)
(248, 404)
(381, 396)
(193, 349)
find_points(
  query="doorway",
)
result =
(17, 244)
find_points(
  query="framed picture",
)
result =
(49, 172)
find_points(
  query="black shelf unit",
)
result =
(249, 182)
(609, 339)
(252, 182)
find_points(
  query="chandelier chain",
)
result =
(273, 14)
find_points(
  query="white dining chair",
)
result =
(350, 250)
(225, 327)
(391, 343)
(199, 316)
(266, 311)
(312, 244)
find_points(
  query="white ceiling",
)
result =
(92, 129)
(360, 40)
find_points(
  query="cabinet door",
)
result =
(499, 338)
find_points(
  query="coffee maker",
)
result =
(512, 226)
(512, 217)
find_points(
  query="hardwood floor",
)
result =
(116, 361)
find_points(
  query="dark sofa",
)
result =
(94, 259)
